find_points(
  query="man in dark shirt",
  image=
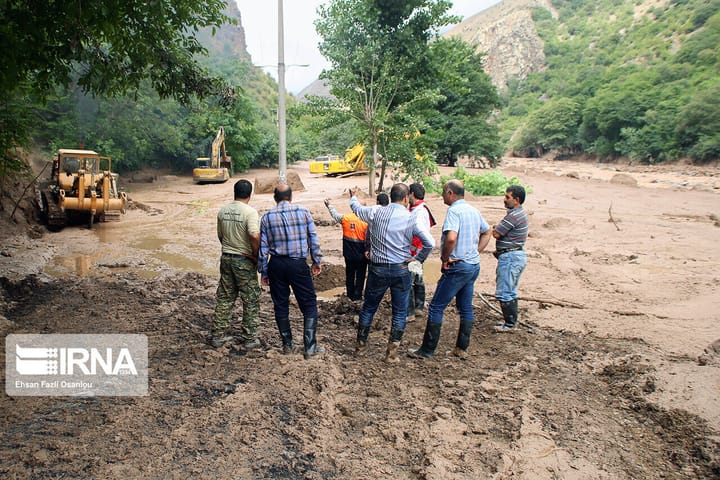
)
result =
(353, 244)
(287, 236)
(510, 237)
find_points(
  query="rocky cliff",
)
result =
(228, 41)
(507, 34)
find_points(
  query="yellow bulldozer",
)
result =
(218, 167)
(353, 162)
(81, 187)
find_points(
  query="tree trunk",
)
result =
(382, 175)
(371, 170)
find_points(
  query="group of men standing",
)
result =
(388, 241)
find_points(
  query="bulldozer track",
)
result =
(56, 218)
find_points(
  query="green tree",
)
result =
(104, 48)
(107, 46)
(698, 128)
(379, 56)
(633, 72)
(460, 121)
(553, 126)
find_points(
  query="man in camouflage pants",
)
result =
(238, 230)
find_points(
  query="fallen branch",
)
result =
(499, 312)
(611, 217)
(22, 195)
(542, 300)
(491, 307)
(566, 304)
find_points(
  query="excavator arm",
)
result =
(218, 154)
(217, 168)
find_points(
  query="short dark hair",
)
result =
(382, 199)
(398, 192)
(517, 191)
(417, 190)
(243, 189)
(280, 195)
(456, 187)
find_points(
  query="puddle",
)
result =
(145, 265)
(77, 265)
(181, 262)
(332, 294)
(149, 243)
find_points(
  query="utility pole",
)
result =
(282, 150)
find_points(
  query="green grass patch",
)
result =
(486, 184)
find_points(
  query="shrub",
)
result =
(487, 184)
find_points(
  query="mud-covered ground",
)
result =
(615, 374)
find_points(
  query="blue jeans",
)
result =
(380, 278)
(457, 282)
(510, 267)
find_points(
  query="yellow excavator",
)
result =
(353, 162)
(218, 167)
(81, 186)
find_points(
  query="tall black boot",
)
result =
(430, 341)
(463, 339)
(309, 340)
(509, 310)
(514, 310)
(362, 339)
(283, 325)
(391, 355)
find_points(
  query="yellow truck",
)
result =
(82, 186)
(353, 162)
(218, 167)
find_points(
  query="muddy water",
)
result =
(179, 238)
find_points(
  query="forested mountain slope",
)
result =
(606, 77)
(143, 130)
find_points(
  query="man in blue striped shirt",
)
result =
(391, 230)
(287, 236)
(465, 234)
(510, 237)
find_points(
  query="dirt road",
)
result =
(617, 376)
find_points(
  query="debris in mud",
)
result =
(711, 354)
(252, 415)
(267, 183)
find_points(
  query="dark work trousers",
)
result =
(284, 273)
(355, 271)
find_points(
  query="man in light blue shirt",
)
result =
(391, 230)
(465, 234)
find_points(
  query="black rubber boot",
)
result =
(362, 339)
(430, 341)
(309, 340)
(283, 325)
(463, 339)
(391, 354)
(514, 309)
(509, 310)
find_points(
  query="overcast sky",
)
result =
(259, 19)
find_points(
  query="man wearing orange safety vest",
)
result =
(425, 220)
(354, 233)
